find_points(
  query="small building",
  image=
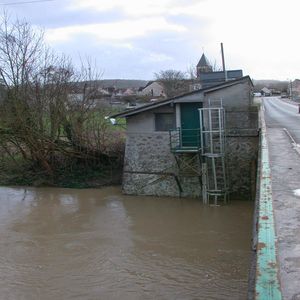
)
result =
(296, 85)
(153, 89)
(170, 144)
(266, 92)
(129, 92)
(294, 90)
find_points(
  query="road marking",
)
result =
(296, 146)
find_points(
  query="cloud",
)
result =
(157, 57)
(116, 31)
(133, 8)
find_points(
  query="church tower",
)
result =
(203, 66)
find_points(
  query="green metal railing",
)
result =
(182, 140)
(267, 285)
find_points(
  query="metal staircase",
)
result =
(200, 153)
(213, 141)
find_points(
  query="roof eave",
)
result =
(170, 100)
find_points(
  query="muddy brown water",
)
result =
(99, 244)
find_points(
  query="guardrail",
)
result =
(185, 139)
(267, 286)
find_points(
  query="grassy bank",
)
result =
(92, 158)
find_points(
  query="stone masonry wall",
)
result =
(241, 162)
(147, 157)
(149, 165)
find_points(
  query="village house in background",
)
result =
(122, 94)
(271, 88)
(133, 93)
(294, 90)
(203, 144)
(266, 92)
(153, 89)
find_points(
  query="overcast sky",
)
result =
(132, 39)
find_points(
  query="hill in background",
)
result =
(270, 84)
(122, 83)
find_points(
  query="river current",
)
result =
(99, 244)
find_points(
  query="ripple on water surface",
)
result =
(99, 244)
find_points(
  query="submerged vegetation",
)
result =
(51, 131)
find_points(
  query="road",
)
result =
(280, 114)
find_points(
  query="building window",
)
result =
(164, 121)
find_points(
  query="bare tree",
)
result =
(47, 106)
(216, 67)
(192, 72)
(173, 81)
(21, 56)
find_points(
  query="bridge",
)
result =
(278, 202)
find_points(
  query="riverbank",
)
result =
(80, 175)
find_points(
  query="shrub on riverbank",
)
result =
(91, 169)
(69, 176)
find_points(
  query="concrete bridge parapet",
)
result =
(264, 278)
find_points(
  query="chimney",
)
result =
(223, 62)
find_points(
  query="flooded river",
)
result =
(99, 244)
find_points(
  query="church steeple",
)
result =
(203, 66)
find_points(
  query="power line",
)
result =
(25, 2)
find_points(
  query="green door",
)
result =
(190, 124)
